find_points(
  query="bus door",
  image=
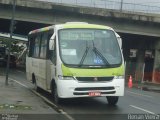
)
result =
(51, 65)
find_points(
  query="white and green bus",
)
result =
(76, 59)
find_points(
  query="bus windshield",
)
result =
(89, 47)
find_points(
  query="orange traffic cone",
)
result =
(130, 82)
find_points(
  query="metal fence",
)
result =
(109, 4)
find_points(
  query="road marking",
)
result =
(19, 83)
(139, 94)
(142, 109)
(45, 99)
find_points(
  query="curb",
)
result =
(147, 87)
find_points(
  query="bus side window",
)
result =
(43, 47)
(31, 45)
(27, 44)
(36, 46)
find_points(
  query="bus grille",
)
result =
(93, 88)
(86, 90)
(82, 93)
(94, 79)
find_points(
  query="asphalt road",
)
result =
(135, 104)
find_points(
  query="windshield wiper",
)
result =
(84, 55)
(98, 53)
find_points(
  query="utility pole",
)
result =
(9, 44)
(121, 7)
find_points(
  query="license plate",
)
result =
(94, 94)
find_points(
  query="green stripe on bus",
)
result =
(80, 72)
(85, 26)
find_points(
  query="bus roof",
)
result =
(41, 29)
(83, 25)
(71, 25)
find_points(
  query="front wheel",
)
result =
(112, 100)
(55, 96)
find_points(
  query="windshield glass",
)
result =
(89, 47)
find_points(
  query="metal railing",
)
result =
(110, 4)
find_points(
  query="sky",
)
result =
(143, 2)
(147, 6)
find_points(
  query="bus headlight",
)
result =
(119, 77)
(65, 77)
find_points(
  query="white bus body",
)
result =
(67, 61)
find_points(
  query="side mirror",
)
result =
(51, 42)
(119, 40)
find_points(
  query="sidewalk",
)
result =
(147, 86)
(16, 99)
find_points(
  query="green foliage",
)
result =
(14, 45)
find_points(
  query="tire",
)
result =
(55, 96)
(112, 100)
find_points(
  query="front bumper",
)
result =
(74, 88)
